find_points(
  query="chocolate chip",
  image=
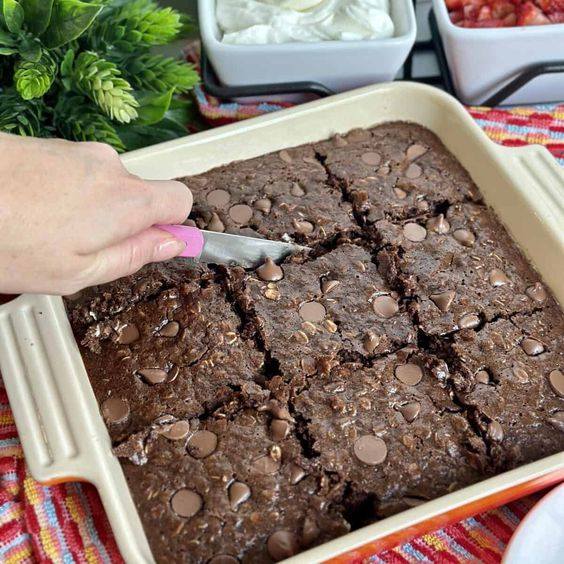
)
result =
(371, 158)
(410, 374)
(495, 431)
(304, 227)
(443, 300)
(312, 311)
(215, 224)
(482, 377)
(127, 334)
(264, 205)
(218, 198)
(469, 321)
(279, 430)
(297, 190)
(410, 411)
(115, 410)
(265, 464)
(438, 224)
(153, 375)
(414, 232)
(285, 156)
(557, 420)
(238, 494)
(532, 347)
(310, 530)
(202, 444)
(297, 473)
(339, 141)
(176, 431)
(241, 213)
(224, 559)
(464, 237)
(269, 271)
(186, 503)
(171, 329)
(370, 342)
(400, 194)
(537, 292)
(278, 411)
(282, 544)
(415, 151)
(556, 379)
(370, 449)
(498, 278)
(520, 373)
(385, 306)
(327, 285)
(413, 171)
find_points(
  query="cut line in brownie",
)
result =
(332, 305)
(283, 195)
(395, 170)
(235, 486)
(462, 268)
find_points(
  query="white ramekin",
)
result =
(482, 61)
(339, 65)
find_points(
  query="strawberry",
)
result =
(529, 14)
(550, 6)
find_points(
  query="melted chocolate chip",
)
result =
(443, 300)
(285, 156)
(556, 379)
(413, 171)
(537, 292)
(495, 431)
(186, 503)
(218, 198)
(238, 494)
(498, 278)
(176, 431)
(128, 334)
(171, 329)
(328, 285)
(297, 190)
(410, 374)
(115, 410)
(310, 530)
(370, 342)
(557, 420)
(312, 311)
(224, 559)
(269, 271)
(438, 224)
(464, 237)
(371, 158)
(202, 444)
(215, 224)
(400, 194)
(297, 473)
(414, 232)
(482, 377)
(265, 464)
(469, 321)
(282, 544)
(520, 373)
(410, 411)
(241, 214)
(264, 205)
(304, 227)
(339, 141)
(385, 306)
(153, 375)
(370, 449)
(415, 151)
(532, 347)
(279, 429)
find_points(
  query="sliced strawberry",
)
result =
(529, 14)
(550, 6)
(502, 8)
(557, 17)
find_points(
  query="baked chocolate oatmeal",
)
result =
(409, 352)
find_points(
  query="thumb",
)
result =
(127, 257)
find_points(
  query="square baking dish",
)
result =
(62, 432)
(339, 65)
(482, 61)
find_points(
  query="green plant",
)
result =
(84, 70)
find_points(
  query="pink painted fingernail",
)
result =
(169, 249)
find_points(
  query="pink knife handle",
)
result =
(192, 236)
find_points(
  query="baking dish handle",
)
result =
(42, 376)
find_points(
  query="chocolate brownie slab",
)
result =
(395, 170)
(280, 195)
(391, 429)
(180, 353)
(336, 303)
(232, 486)
(511, 374)
(463, 269)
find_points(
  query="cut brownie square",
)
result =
(336, 303)
(511, 373)
(463, 269)
(235, 486)
(179, 353)
(392, 431)
(395, 170)
(282, 195)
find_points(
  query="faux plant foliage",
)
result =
(84, 70)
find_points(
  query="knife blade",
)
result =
(224, 248)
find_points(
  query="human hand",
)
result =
(71, 216)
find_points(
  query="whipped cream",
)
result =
(257, 22)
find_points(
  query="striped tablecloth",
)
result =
(67, 524)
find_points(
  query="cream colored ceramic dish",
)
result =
(62, 433)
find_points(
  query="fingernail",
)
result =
(169, 249)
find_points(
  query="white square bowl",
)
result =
(482, 61)
(339, 65)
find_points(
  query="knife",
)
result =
(224, 248)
